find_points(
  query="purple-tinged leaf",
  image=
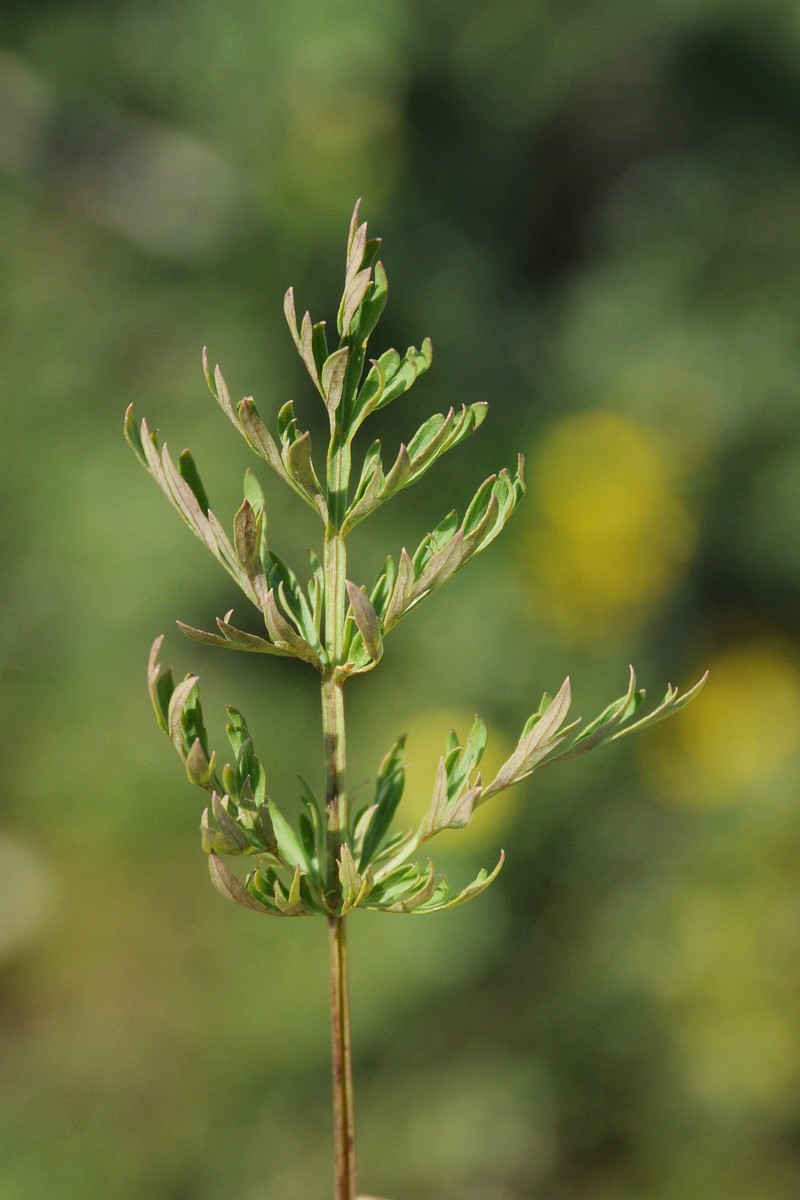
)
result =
(179, 699)
(259, 437)
(366, 620)
(300, 467)
(213, 839)
(199, 768)
(479, 884)
(541, 737)
(160, 686)
(333, 376)
(351, 301)
(133, 437)
(232, 888)
(401, 595)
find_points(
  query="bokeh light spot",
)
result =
(611, 537)
(742, 730)
(27, 894)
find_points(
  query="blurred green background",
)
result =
(594, 211)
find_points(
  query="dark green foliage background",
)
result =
(594, 211)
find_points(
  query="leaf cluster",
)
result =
(291, 875)
(374, 869)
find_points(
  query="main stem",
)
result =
(333, 729)
(343, 1111)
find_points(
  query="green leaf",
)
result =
(411, 890)
(316, 595)
(369, 310)
(355, 887)
(237, 729)
(260, 883)
(413, 364)
(313, 813)
(388, 794)
(287, 424)
(289, 902)
(189, 472)
(672, 703)
(308, 840)
(394, 884)
(441, 433)
(390, 377)
(290, 847)
(319, 345)
(478, 508)
(374, 488)
(181, 697)
(455, 794)
(435, 542)
(371, 391)
(448, 548)
(478, 885)
(248, 766)
(382, 588)
(397, 848)
(371, 473)
(294, 604)
(251, 778)
(160, 686)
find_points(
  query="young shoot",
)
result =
(337, 860)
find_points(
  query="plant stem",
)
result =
(335, 794)
(344, 1117)
(333, 729)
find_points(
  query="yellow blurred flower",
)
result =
(743, 730)
(610, 537)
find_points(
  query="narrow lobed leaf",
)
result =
(188, 471)
(333, 375)
(230, 887)
(366, 620)
(161, 686)
(388, 793)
